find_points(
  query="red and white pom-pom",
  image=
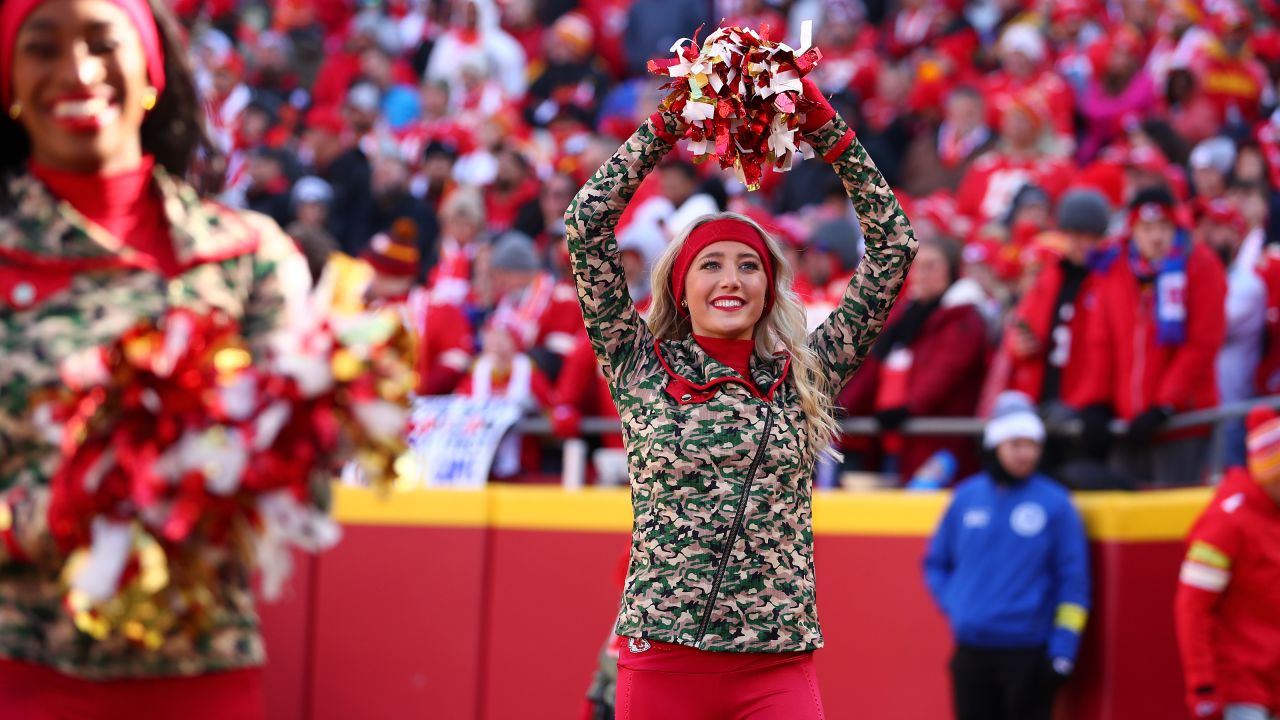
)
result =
(739, 94)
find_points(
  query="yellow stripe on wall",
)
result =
(444, 508)
(548, 507)
(1153, 516)
(1159, 516)
(878, 512)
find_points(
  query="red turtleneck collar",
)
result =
(734, 354)
(124, 204)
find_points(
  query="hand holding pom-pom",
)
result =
(817, 109)
(740, 96)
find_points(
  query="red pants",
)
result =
(35, 692)
(660, 681)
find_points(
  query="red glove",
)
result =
(1204, 704)
(660, 126)
(817, 110)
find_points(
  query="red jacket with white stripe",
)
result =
(1228, 601)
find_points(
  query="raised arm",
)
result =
(616, 330)
(845, 337)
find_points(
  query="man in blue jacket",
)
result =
(1009, 567)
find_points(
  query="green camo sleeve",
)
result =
(618, 334)
(845, 337)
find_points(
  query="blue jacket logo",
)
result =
(977, 518)
(1028, 519)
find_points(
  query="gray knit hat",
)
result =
(514, 251)
(841, 238)
(1084, 211)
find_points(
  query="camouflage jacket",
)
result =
(66, 285)
(722, 542)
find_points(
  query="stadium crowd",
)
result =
(1094, 184)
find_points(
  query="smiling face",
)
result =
(80, 75)
(726, 289)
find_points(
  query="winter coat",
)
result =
(1227, 616)
(1035, 311)
(949, 361)
(1125, 366)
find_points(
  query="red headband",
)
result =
(712, 232)
(14, 13)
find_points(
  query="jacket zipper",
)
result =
(736, 527)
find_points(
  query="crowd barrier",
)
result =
(493, 604)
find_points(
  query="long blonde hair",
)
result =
(784, 326)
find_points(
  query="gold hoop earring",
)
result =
(15, 110)
(149, 99)
(684, 303)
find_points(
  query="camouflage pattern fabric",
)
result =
(722, 545)
(237, 262)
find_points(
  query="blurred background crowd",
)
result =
(441, 141)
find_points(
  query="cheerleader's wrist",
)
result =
(832, 139)
(666, 126)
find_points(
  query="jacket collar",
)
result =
(685, 360)
(39, 225)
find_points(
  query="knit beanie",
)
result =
(1012, 416)
(1263, 445)
(514, 251)
(394, 253)
(1084, 211)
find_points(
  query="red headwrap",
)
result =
(13, 13)
(715, 231)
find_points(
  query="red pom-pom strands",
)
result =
(739, 95)
(178, 446)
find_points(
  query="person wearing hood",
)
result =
(1009, 567)
(1227, 617)
(929, 362)
(475, 37)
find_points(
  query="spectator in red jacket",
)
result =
(445, 349)
(1046, 363)
(528, 300)
(1227, 606)
(928, 362)
(503, 370)
(987, 189)
(1153, 327)
(1232, 77)
(1024, 76)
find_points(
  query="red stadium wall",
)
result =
(494, 604)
